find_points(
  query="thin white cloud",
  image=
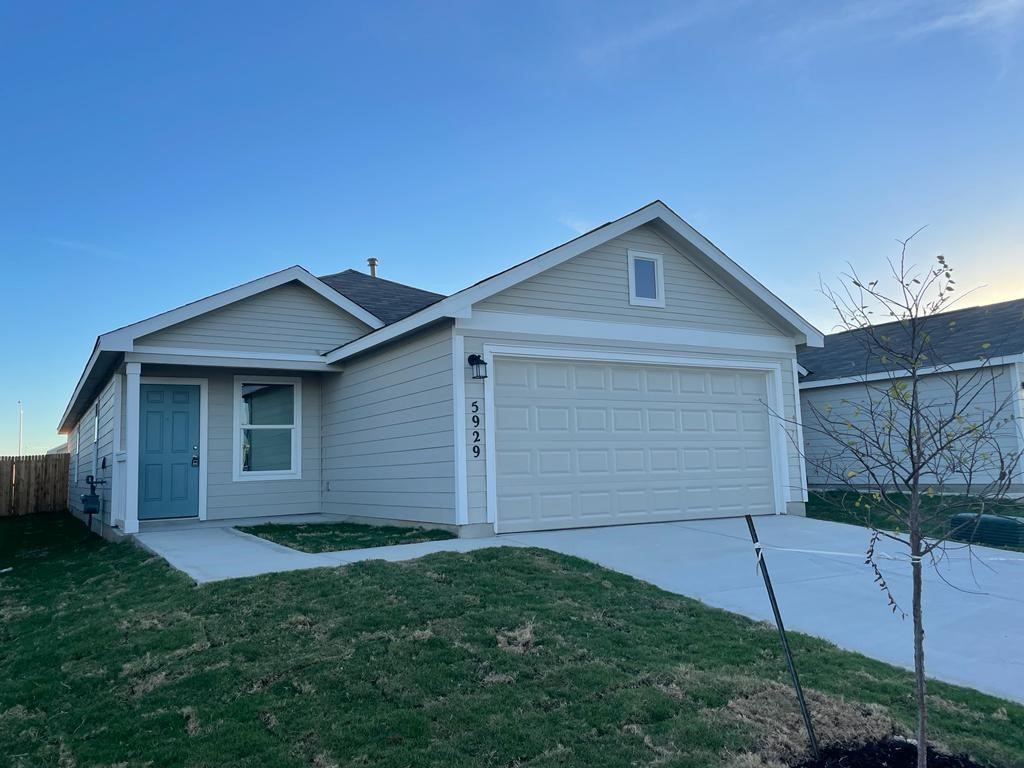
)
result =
(972, 15)
(902, 19)
(626, 39)
(577, 225)
(87, 248)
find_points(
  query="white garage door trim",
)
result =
(772, 370)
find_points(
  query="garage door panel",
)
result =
(594, 444)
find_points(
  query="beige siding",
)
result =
(226, 497)
(474, 342)
(93, 455)
(288, 319)
(388, 432)
(849, 401)
(595, 286)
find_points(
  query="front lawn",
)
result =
(334, 537)
(835, 506)
(498, 657)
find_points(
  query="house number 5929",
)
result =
(474, 420)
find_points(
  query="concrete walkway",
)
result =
(974, 611)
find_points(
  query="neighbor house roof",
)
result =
(386, 299)
(974, 334)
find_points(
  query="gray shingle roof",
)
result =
(388, 300)
(956, 336)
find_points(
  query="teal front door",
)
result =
(169, 451)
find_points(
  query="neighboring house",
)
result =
(58, 449)
(633, 374)
(976, 347)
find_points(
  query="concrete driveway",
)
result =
(974, 610)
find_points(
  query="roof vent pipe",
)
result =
(372, 261)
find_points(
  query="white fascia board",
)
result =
(814, 337)
(122, 339)
(867, 378)
(460, 304)
(63, 428)
(230, 353)
(252, 360)
(548, 325)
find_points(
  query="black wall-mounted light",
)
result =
(478, 365)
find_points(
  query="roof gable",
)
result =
(595, 286)
(710, 259)
(287, 319)
(123, 338)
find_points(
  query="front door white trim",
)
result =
(772, 371)
(204, 407)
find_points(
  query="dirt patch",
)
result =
(771, 712)
(498, 678)
(520, 640)
(891, 753)
(191, 721)
(148, 684)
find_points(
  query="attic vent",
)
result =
(372, 261)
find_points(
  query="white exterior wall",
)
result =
(289, 319)
(91, 459)
(226, 497)
(935, 389)
(388, 432)
(595, 286)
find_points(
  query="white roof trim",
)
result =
(867, 378)
(78, 388)
(122, 340)
(460, 304)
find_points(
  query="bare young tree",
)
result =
(920, 439)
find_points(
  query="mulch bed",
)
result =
(884, 754)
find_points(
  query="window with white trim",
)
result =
(646, 279)
(267, 428)
(78, 450)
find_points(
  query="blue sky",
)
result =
(152, 153)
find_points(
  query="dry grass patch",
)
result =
(769, 710)
(519, 640)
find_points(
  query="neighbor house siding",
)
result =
(288, 319)
(226, 497)
(388, 432)
(474, 342)
(847, 402)
(93, 455)
(595, 286)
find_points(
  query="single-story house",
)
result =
(633, 374)
(978, 351)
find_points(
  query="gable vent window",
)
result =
(267, 428)
(646, 279)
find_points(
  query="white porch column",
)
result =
(133, 373)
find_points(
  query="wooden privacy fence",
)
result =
(30, 484)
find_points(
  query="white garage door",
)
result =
(582, 444)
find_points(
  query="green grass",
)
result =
(837, 507)
(498, 657)
(334, 537)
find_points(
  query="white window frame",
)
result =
(96, 439)
(295, 473)
(659, 278)
(78, 448)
